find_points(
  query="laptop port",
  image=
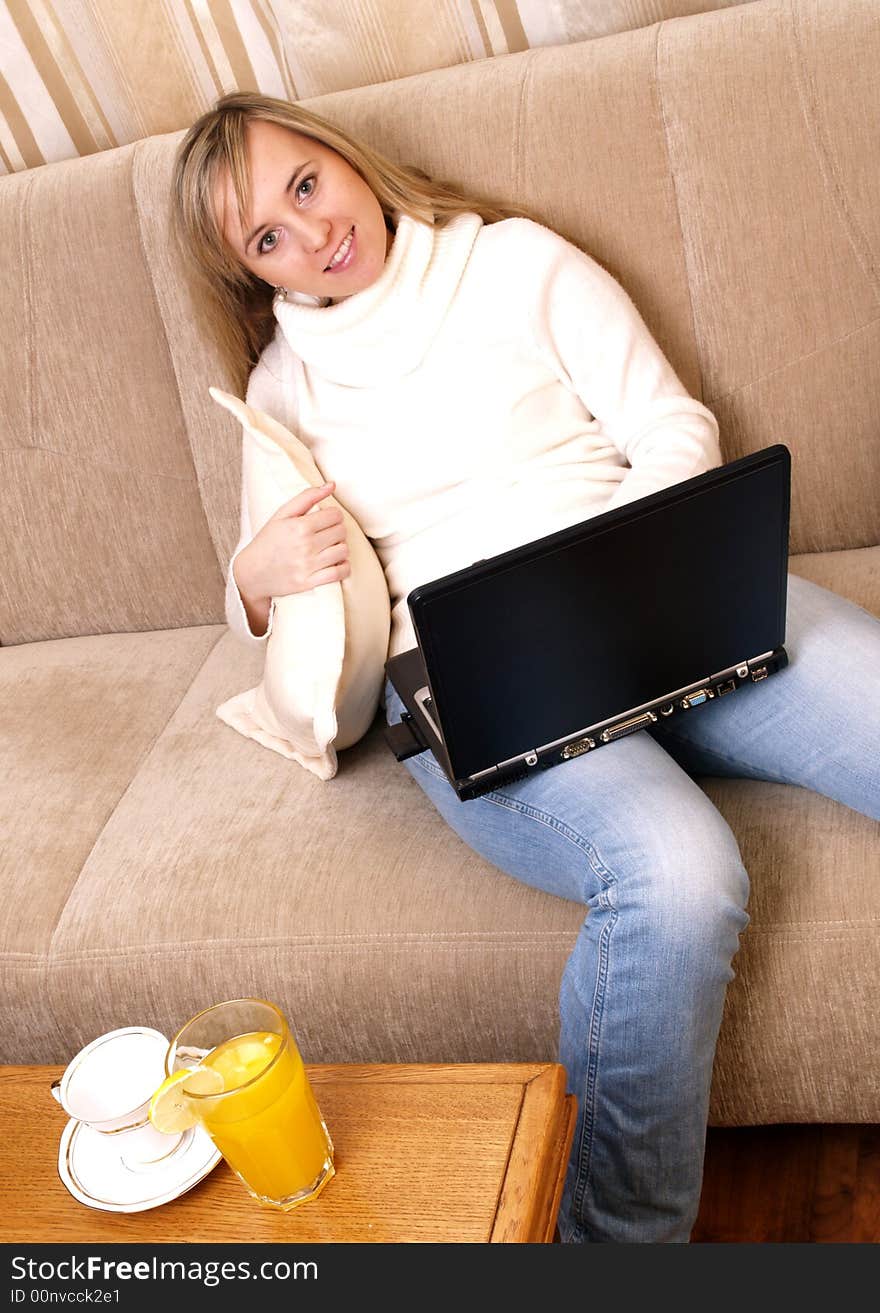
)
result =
(727, 687)
(577, 749)
(668, 709)
(761, 673)
(629, 726)
(696, 699)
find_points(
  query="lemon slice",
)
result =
(170, 1110)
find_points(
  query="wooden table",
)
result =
(423, 1153)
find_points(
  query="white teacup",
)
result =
(108, 1086)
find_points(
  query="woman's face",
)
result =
(314, 224)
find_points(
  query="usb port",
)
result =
(727, 687)
(761, 673)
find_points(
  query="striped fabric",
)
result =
(79, 76)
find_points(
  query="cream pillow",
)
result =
(325, 657)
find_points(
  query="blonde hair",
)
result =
(238, 304)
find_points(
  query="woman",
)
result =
(470, 381)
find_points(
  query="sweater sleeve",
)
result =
(265, 391)
(598, 340)
(236, 616)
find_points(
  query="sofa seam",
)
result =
(51, 957)
(790, 364)
(379, 937)
(839, 925)
(151, 951)
(834, 188)
(518, 163)
(137, 150)
(804, 932)
(346, 937)
(807, 938)
(141, 471)
(25, 255)
(34, 959)
(136, 153)
(664, 124)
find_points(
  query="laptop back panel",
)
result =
(622, 609)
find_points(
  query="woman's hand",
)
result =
(298, 548)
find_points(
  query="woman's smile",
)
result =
(345, 253)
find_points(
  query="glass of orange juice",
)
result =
(263, 1117)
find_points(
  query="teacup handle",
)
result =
(55, 1090)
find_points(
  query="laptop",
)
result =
(634, 617)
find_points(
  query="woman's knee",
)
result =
(692, 881)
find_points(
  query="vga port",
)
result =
(699, 696)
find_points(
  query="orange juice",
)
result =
(266, 1122)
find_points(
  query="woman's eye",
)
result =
(309, 184)
(268, 242)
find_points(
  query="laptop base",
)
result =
(415, 732)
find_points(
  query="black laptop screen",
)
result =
(591, 622)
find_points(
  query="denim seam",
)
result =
(585, 1144)
(539, 816)
(542, 817)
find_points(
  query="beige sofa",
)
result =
(723, 167)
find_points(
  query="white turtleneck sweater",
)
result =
(494, 384)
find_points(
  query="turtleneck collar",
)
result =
(384, 331)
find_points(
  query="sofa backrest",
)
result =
(723, 167)
(101, 522)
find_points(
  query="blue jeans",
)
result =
(627, 832)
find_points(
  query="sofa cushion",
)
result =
(79, 716)
(798, 1040)
(781, 236)
(98, 495)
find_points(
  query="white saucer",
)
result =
(90, 1165)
